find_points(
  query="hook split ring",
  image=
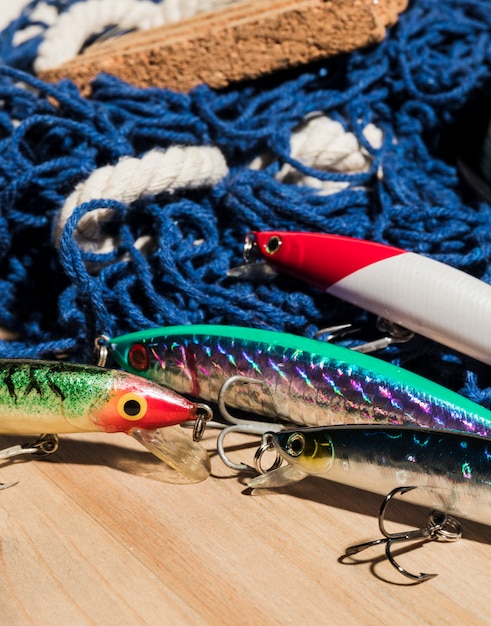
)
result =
(266, 446)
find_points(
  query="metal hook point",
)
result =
(393, 334)
(230, 383)
(7, 485)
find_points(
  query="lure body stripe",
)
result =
(452, 471)
(306, 381)
(54, 397)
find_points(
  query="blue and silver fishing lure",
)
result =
(452, 471)
(449, 472)
(293, 379)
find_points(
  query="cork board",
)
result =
(243, 41)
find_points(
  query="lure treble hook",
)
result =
(44, 446)
(394, 333)
(241, 425)
(440, 526)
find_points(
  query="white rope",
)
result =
(10, 11)
(66, 37)
(44, 14)
(323, 144)
(64, 40)
(177, 168)
(319, 142)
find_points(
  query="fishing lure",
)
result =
(446, 471)
(293, 379)
(414, 291)
(56, 398)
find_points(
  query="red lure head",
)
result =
(133, 402)
(317, 258)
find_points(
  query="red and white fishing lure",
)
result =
(414, 291)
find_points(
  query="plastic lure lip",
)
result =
(177, 450)
(414, 291)
(257, 270)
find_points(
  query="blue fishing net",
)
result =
(419, 86)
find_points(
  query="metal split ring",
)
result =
(266, 446)
(446, 527)
(101, 350)
(203, 415)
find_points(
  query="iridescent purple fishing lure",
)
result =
(293, 379)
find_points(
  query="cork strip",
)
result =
(242, 41)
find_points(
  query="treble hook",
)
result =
(250, 428)
(395, 334)
(241, 425)
(44, 446)
(440, 526)
(230, 382)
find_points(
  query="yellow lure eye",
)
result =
(296, 444)
(132, 407)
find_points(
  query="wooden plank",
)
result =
(93, 537)
(246, 40)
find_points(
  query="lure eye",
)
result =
(295, 444)
(138, 357)
(273, 245)
(132, 407)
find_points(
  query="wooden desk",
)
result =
(91, 537)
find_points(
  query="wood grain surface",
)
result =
(93, 536)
